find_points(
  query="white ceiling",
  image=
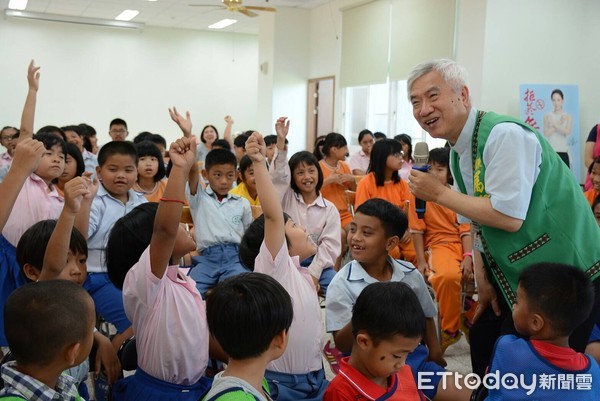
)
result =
(164, 13)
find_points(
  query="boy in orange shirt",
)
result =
(449, 244)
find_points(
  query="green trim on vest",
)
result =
(556, 229)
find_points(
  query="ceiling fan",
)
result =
(236, 6)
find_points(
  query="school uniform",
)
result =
(352, 385)
(105, 212)
(219, 226)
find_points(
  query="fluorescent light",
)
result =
(127, 15)
(17, 4)
(73, 20)
(222, 24)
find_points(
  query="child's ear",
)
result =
(391, 243)
(363, 340)
(98, 170)
(280, 341)
(204, 174)
(536, 323)
(31, 272)
(71, 353)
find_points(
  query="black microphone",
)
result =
(421, 156)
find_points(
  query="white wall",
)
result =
(545, 42)
(94, 74)
(290, 69)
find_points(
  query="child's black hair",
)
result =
(75, 128)
(245, 164)
(562, 294)
(392, 218)
(127, 240)
(118, 121)
(378, 163)
(147, 148)
(271, 140)
(49, 140)
(333, 140)
(379, 136)
(384, 310)
(87, 131)
(117, 148)
(319, 144)
(219, 156)
(309, 160)
(253, 239)
(441, 157)
(405, 138)
(42, 318)
(591, 166)
(157, 139)
(33, 243)
(240, 140)
(141, 137)
(246, 312)
(595, 202)
(75, 153)
(221, 143)
(52, 130)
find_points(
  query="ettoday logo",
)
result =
(508, 381)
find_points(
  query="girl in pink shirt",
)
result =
(274, 245)
(299, 184)
(165, 308)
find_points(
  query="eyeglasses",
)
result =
(118, 131)
(398, 154)
(9, 137)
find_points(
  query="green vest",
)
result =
(559, 226)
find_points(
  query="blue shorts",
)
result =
(216, 263)
(288, 387)
(142, 386)
(11, 278)
(417, 360)
(108, 300)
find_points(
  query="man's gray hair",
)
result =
(452, 72)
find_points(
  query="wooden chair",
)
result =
(351, 199)
(186, 216)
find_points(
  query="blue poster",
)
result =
(554, 111)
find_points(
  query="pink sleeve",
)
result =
(329, 245)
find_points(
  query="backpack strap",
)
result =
(12, 397)
(232, 394)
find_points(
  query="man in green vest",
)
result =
(523, 203)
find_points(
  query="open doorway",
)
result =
(319, 119)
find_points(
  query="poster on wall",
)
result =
(554, 111)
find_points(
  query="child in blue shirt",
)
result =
(552, 300)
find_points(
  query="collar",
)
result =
(364, 386)
(213, 195)
(317, 202)
(357, 273)
(102, 192)
(50, 190)
(463, 144)
(33, 389)
(6, 156)
(362, 153)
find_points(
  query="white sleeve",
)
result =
(512, 159)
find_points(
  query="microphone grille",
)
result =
(421, 153)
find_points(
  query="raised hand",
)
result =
(28, 154)
(256, 148)
(92, 183)
(228, 120)
(184, 123)
(33, 76)
(282, 126)
(75, 190)
(183, 153)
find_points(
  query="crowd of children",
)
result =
(86, 234)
